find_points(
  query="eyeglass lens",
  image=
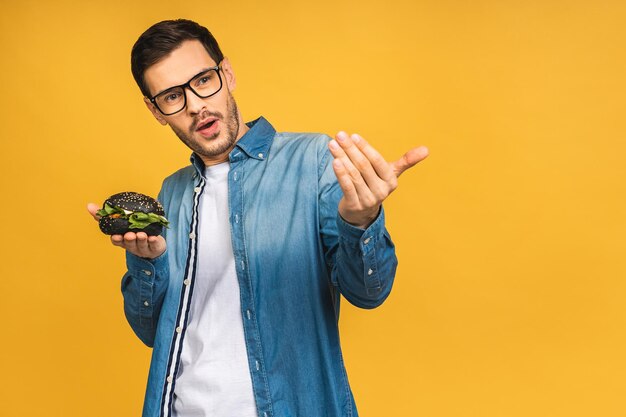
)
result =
(203, 85)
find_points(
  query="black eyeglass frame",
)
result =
(216, 68)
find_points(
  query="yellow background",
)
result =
(509, 299)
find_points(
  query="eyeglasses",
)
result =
(203, 85)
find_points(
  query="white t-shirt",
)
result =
(214, 378)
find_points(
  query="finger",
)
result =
(409, 159)
(380, 165)
(345, 182)
(369, 186)
(354, 174)
(358, 159)
(93, 209)
(117, 240)
(364, 195)
(130, 242)
(142, 243)
(339, 153)
(157, 245)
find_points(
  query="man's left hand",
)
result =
(365, 177)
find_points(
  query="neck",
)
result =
(216, 160)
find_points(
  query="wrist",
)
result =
(362, 220)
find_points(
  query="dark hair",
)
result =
(161, 39)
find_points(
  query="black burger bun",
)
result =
(121, 205)
(110, 226)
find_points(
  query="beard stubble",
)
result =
(215, 148)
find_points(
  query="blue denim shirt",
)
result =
(294, 258)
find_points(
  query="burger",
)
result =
(132, 212)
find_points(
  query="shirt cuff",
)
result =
(363, 238)
(144, 268)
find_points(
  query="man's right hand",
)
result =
(139, 244)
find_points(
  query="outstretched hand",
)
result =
(139, 244)
(365, 177)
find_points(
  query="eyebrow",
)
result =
(180, 85)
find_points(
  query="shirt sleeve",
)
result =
(143, 286)
(362, 262)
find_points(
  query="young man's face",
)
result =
(208, 126)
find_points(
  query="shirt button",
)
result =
(261, 155)
(192, 235)
(370, 272)
(148, 273)
(236, 218)
(248, 314)
(186, 282)
(179, 329)
(169, 378)
(235, 176)
(146, 303)
(366, 241)
(197, 189)
(258, 366)
(243, 266)
(264, 414)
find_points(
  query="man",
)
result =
(240, 297)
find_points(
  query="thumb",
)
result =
(409, 159)
(93, 209)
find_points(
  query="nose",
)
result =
(195, 104)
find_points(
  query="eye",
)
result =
(170, 97)
(204, 79)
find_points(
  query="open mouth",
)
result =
(207, 125)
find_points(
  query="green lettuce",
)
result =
(137, 219)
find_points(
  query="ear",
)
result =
(229, 74)
(155, 112)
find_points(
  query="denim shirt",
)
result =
(294, 255)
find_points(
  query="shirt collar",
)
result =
(255, 143)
